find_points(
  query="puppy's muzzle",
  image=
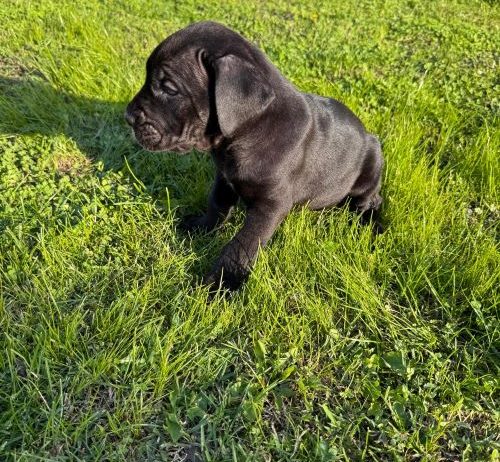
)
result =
(145, 133)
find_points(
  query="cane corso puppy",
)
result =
(208, 88)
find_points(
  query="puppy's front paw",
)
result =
(224, 278)
(196, 223)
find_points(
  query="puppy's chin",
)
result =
(148, 145)
(180, 149)
(152, 140)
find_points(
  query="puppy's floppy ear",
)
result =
(241, 93)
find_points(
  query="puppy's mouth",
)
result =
(150, 138)
(180, 148)
(147, 136)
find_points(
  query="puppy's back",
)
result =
(333, 153)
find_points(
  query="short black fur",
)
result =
(273, 146)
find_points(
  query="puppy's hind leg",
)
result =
(369, 209)
(365, 193)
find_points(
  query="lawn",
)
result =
(342, 345)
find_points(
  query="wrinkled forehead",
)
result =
(181, 51)
(174, 61)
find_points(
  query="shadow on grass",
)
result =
(31, 105)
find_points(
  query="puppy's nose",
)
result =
(129, 117)
(135, 117)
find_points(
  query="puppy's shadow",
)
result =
(31, 105)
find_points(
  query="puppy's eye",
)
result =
(169, 87)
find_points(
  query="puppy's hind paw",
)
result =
(377, 227)
(371, 218)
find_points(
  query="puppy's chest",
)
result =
(238, 176)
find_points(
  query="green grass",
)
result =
(340, 346)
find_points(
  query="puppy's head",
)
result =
(202, 84)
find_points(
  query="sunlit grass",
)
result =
(341, 346)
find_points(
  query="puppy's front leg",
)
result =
(234, 264)
(220, 203)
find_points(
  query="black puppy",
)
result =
(208, 88)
